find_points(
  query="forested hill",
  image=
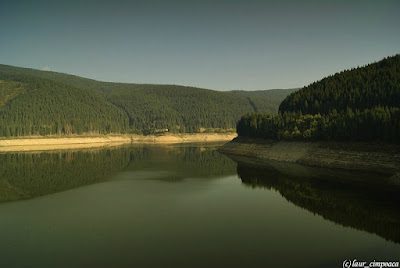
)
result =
(377, 84)
(358, 104)
(34, 102)
(265, 100)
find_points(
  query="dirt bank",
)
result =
(382, 158)
(76, 142)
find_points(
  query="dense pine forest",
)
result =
(361, 104)
(34, 102)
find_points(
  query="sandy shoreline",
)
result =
(56, 143)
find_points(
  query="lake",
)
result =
(187, 206)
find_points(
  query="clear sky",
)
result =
(222, 45)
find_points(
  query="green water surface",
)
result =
(188, 206)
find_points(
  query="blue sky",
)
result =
(223, 45)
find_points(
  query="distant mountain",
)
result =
(356, 104)
(34, 102)
(265, 100)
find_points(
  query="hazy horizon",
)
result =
(220, 45)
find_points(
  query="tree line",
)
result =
(378, 123)
(359, 105)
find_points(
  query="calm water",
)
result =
(188, 206)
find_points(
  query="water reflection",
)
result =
(28, 175)
(355, 199)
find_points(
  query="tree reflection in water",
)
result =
(360, 200)
(28, 175)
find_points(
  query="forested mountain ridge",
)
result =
(34, 102)
(361, 104)
(265, 100)
(360, 88)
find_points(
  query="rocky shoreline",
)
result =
(379, 158)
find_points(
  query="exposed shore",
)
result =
(77, 142)
(380, 158)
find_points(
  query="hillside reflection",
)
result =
(354, 199)
(28, 175)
